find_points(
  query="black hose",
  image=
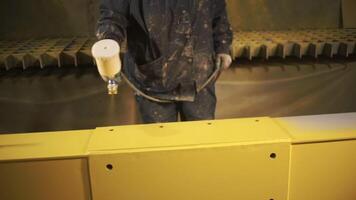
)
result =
(212, 77)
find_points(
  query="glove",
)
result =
(223, 60)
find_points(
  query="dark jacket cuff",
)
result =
(223, 49)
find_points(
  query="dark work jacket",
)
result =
(170, 43)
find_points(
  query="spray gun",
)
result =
(106, 54)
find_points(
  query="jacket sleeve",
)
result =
(113, 20)
(222, 32)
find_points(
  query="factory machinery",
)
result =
(292, 158)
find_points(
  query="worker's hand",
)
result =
(223, 60)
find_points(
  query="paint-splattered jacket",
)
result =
(171, 43)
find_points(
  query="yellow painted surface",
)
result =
(212, 173)
(324, 171)
(187, 134)
(319, 128)
(44, 145)
(45, 180)
(222, 159)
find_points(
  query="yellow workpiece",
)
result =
(293, 158)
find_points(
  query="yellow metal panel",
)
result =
(223, 159)
(324, 171)
(45, 180)
(208, 172)
(319, 128)
(44, 145)
(186, 134)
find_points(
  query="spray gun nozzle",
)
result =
(113, 87)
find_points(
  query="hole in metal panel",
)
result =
(109, 167)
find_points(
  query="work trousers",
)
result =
(203, 108)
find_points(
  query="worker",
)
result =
(173, 47)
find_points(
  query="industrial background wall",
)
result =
(38, 36)
(282, 14)
(59, 18)
(21, 19)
